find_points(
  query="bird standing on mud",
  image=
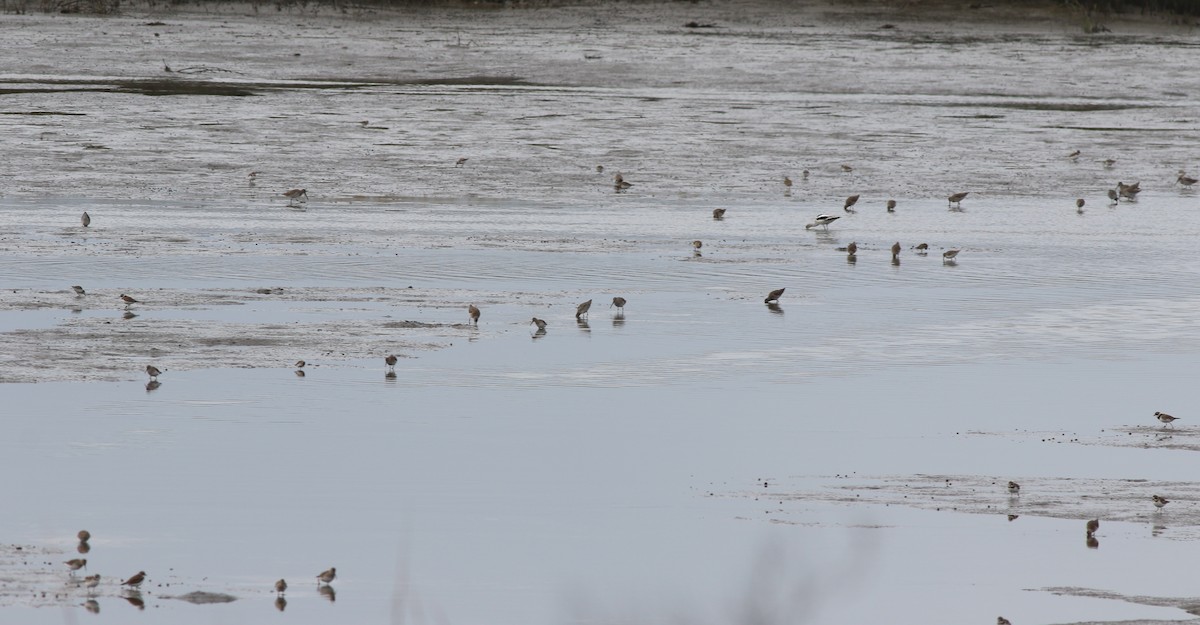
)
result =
(822, 220)
(327, 576)
(850, 202)
(293, 195)
(619, 302)
(582, 309)
(86, 219)
(473, 312)
(136, 580)
(957, 198)
(1014, 488)
(774, 296)
(540, 323)
(391, 361)
(153, 372)
(1165, 418)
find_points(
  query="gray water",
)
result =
(610, 471)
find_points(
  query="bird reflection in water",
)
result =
(129, 314)
(390, 376)
(1092, 543)
(280, 604)
(618, 319)
(152, 385)
(328, 592)
(135, 599)
(91, 605)
(583, 324)
(539, 333)
(775, 308)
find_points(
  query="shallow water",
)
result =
(613, 470)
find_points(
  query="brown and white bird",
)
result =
(847, 168)
(895, 250)
(1114, 196)
(327, 576)
(787, 182)
(619, 182)
(84, 536)
(1014, 488)
(1165, 418)
(582, 309)
(91, 581)
(697, 244)
(76, 564)
(1079, 205)
(1000, 620)
(1092, 526)
(922, 248)
(86, 219)
(1160, 501)
(460, 162)
(280, 587)
(128, 300)
(891, 206)
(1129, 190)
(718, 213)
(774, 296)
(950, 255)
(852, 249)
(1074, 155)
(957, 198)
(293, 195)
(136, 580)
(1185, 180)
(78, 290)
(153, 372)
(850, 202)
(300, 364)
(391, 361)
(619, 302)
(540, 323)
(473, 312)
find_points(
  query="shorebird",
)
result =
(949, 255)
(787, 182)
(1165, 418)
(957, 198)
(280, 587)
(473, 311)
(79, 290)
(619, 302)
(1092, 526)
(891, 206)
(91, 581)
(822, 220)
(697, 244)
(1109, 162)
(847, 168)
(718, 213)
(774, 296)
(804, 175)
(280, 604)
(852, 249)
(299, 373)
(922, 248)
(128, 300)
(84, 536)
(1014, 488)
(1074, 155)
(300, 364)
(1186, 180)
(86, 219)
(1160, 501)
(252, 175)
(582, 309)
(895, 250)
(293, 195)
(76, 564)
(1000, 620)
(619, 182)
(850, 201)
(1112, 195)
(136, 580)
(153, 372)
(327, 576)
(1129, 190)
(1079, 205)
(599, 169)
(391, 361)
(540, 323)
(460, 162)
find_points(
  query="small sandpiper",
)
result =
(129, 301)
(153, 372)
(84, 536)
(1160, 501)
(540, 323)
(1000, 620)
(136, 580)
(619, 182)
(852, 249)
(1079, 205)
(86, 219)
(90, 582)
(822, 220)
(896, 250)
(76, 564)
(774, 296)
(327, 576)
(300, 364)
(1165, 418)
(718, 213)
(1114, 196)
(619, 302)
(847, 168)
(950, 255)
(922, 248)
(460, 162)
(582, 309)
(473, 312)
(1014, 488)
(293, 195)
(850, 202)
(1186, 180)
(891, 206)
(1074, 155)
(391, 361)
(787, 182)
(78, 290)
(1092, 526)
(697, 244)
(957, 198)
(280, 587)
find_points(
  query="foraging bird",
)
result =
(473, 311)
(774, 296)
(697, 244)
(1000, 620)
(922, 248)
(619, 302)
(1079, 205)
(153, 372)
(391, 361)
(850, 201)
(949, 255)
(1109, 162)
(583, 309)
(460, 162)
(1160, 501)
(79, 290)
(91, 581)
(136, 580)
(599, 169)
(957, 198)
(1074, 155)
(540, 323)
(76, 564)
(128, 300)
(84, 536)
(847, 168)
(1165, 418)
(86, 220)
(1014, 488)
(294, 194)
(895, 250)
(852, 249)
(327, 576)
(280, 587)
(1112, 195)
(300, 364)
(891, 206)
(1186, 180)
(1092, 526)
(787, 182)
(619, 182)
(718, 213)
(822, 220)
(804, 174)
(1129, 190)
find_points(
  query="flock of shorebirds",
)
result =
(131, 588)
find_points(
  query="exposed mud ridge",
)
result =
(1191, 605)
(1176, 437)
(1059, 498)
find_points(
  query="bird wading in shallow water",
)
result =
(822, 220)
(1014, 488)
(582, 309)
(391, 361)
(473, 313)
(957, 198)
(619, 303)
(1160, 501)
(774, 296)
(327, 576)
(153, 372)
(136, 580)
(850, 202)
